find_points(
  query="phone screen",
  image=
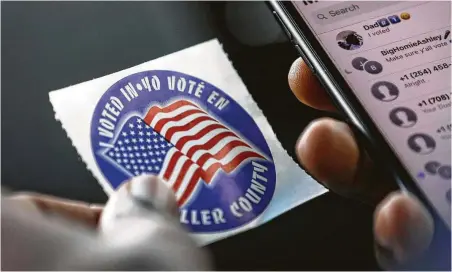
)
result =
(396, 57)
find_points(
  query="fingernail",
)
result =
(152, 192)
(142, 187)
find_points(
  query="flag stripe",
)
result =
(187, 120)
(229, 157)
(175, 129)
(213, 169)
(162, 115)
(208, 141)
(177, 170)
(181, 173)
(156, 109)
(191, 186)
(213, 145)
(200, 126)
(160, 123)
(186, 181)
(166, 162)
(196, 136)
(222, 153)
(173, 159)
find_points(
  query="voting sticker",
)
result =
(188, 118)
(201, 142)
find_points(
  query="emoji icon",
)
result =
(394, 19)
(383, 22)
(405, 16)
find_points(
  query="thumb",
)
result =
(142, 219)
(403, 231)
(143, 197)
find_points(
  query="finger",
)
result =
(329, 152)
(307, 88)
(74, 210)
(403, 230)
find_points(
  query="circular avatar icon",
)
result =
(385, 91)
(202, 143)
(421, 143)
(349, 40)
(444, 172)
(403, 117)
(373, 67)
(358, 63)
(432, 167)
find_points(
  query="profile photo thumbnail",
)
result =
(349, 40)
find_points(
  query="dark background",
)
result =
(51, 45)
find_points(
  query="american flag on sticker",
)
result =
(182, 144)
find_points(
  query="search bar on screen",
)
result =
(346, 10)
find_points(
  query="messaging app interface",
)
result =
(396, 56)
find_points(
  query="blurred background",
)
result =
(50, 45)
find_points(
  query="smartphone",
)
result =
(387, 67)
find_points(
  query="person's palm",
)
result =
(328, 150)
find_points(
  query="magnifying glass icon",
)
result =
(321, 16)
